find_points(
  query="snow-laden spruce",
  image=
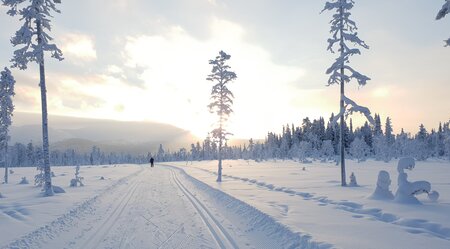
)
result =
(33, 40)
(443, 12)
(6, 104)
(343, 32)
(222, 100)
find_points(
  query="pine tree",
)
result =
(222, 99)
(377, 131)
(388, 132)
(35, 40)
(343, 31)
(443, 12)
(6, 93)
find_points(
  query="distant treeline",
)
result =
(314, 139)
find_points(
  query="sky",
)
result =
(146, 60)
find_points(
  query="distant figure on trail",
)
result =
(151, 161)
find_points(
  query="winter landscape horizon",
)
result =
(224, 124)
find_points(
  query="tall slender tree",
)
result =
(6, 93)
(443, 12)
(222, 100)
(343, 32)
(33, 39)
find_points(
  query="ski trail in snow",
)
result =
(102, 231)
(376, 214)
(46, 233)
(222, 237)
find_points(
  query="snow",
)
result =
(270, 204)
(311, 202)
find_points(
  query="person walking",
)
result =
(151, 161)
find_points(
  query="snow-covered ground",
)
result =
(258, 205)
(312, 202)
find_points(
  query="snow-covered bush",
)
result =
(11, 171)
(24, 181)
(304, 150)
(327, 150)
(359, 149)
(407, 190)
(382, 191)
(77, 180)
(353, 182)
(39, 178)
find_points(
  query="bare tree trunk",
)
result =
(341, 132)
(47, 176)
(5, 161)
(219, 170)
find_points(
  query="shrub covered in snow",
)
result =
(407, 190)
(382, 191)
(78, 179)
(359, 149)
(353, 182)
(24, 181)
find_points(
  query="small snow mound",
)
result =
(58, 190)
(102, 178)
(433, 195)
(24, 181)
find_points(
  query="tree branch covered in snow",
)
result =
(33, 37)
(343, 32)
(442, 13)
(353, 108)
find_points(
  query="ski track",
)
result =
(221, 236)
(102, 231)
(415, 226)
(40, 236)
(269, 233)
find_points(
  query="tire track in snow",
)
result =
(221, 236)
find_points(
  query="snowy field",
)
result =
(311, 201)
(258, 205)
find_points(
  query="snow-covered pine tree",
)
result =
(222, 99)
(343, 32)
(6, 93)
(359, 149)
(34, 39)
(443, 12)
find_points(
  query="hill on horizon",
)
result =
(109, 135)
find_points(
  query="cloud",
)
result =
(175, 76)
(78, 46)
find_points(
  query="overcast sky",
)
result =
(148, 60)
